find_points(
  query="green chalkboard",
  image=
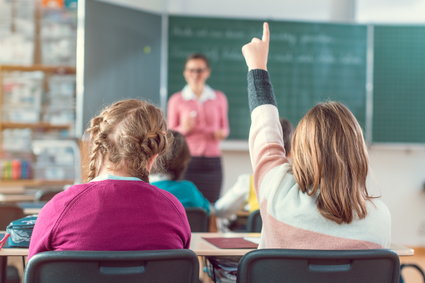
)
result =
(308, 63)
(399, 84)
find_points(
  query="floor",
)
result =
(410, 275)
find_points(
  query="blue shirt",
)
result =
(186, 192)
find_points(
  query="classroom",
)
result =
(63, 61)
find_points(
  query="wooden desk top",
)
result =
(204, 248)
(31, 211)
(16, 198)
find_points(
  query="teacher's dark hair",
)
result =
(198, 56)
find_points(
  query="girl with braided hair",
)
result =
(117, 209)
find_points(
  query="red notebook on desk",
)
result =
(231, 243)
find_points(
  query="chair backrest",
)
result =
(46, 195)
(254, 222)
(162, 266)
(8, 213)
(198, 219)
(348, 266)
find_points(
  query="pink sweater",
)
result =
(211, 115)
(111, 215)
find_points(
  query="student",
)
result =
(170, 170)
(118, 210)
(200, 114)
(242, 196)
(321, 200)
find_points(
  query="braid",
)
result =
(96, 148)
(93, 165)
(129, 133)
(154, 142)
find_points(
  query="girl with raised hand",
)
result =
(321, 200)
(117, 210)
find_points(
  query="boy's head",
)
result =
(287, 130)
(175, 160)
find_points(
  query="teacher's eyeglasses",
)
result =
(196, 71)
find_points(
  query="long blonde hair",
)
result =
(128, 133)
(330, 160)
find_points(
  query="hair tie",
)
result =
(151, 135)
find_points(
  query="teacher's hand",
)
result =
(188, 123)
(256, 52)
(219, 135)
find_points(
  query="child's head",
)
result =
(196, 70)
(330, 160)
(125, 137)
(287, 130)
(174, 162)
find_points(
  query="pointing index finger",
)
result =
(266, 32)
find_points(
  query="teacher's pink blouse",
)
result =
(210, 112)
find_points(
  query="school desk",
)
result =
(204, 248)
(16, 198)
(31, 207)
(12, 190)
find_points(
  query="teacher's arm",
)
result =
(223, 130)
(175, 118)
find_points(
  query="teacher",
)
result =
(200, 114)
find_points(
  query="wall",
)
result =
(302, 10)
(155, 6)
(391, 11)
(397, 173)
(322, 10)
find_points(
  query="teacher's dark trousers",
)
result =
(207, 174)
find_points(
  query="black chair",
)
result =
(348, 266)
(46, 195)
(161, 266)
(8, 213)
(254, 222)
(198, 219)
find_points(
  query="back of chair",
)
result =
(198, 219)
(46, 195)
(348, 266)
(160, 266)
(8, 213)
(254, 222)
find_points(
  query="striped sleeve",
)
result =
(265, 135)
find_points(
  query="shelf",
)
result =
(34, 183)
(43, 68)
(44, 126)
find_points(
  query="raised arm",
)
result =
(265, 135)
